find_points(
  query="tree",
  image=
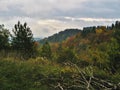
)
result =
(46, 50)
(117, 24)
(115, 51)
(114, 55)
(113, 26)
(116, 35)
(66, 55)
(4, 38)
(22, 40)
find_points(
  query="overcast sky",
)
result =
(46, 17)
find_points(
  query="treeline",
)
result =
(92, 29)
(20, 41)
(99, 46)
(63, 35)
(96, 47)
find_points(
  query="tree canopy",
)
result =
(22, 39)
(4, 38)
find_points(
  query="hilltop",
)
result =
(61, 36)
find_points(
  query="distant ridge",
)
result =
(59, 37)
(37, 39)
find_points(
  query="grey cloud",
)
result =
(51, 8)
(53, 12)
(102, 8)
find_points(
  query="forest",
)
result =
(87, 59)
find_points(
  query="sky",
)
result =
(46, 17)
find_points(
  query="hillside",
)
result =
(58, 37)
(99, 46)
(88, 60)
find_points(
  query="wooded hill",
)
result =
(88, 60)
(61, 36)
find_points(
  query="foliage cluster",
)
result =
(20, 41)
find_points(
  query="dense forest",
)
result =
(87, 59)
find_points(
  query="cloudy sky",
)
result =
(46, 17)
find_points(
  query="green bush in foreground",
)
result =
(18, 75)
(41, 74)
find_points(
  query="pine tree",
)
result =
(22, 40)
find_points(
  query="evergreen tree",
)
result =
(46, 50)
(4, 38)
(22, 40)
(114, 51)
